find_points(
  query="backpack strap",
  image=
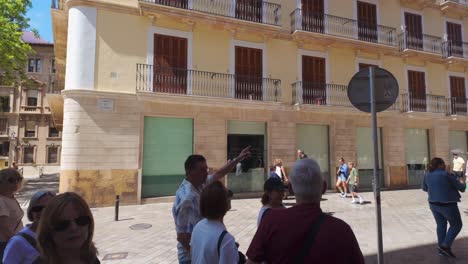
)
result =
(28, 238)
(264, 212)
(220, 240)
(310, 238)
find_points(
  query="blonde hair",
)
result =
(277, 161)
(51, 216)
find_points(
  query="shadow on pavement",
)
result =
(426, 254)
(45, 182)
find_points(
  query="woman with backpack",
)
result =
(210, 241)
(22, 248)
(11, 214)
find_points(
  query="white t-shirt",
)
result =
(458, 164)
(279, 172)
(260, 214)
(204, 244)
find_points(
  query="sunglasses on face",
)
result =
(15, 180)
(64, 224)
(37, 208)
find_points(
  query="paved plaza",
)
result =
(409, 229)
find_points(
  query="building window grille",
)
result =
(28, 155)
(52, 155)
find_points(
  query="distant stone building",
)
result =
(27, 133)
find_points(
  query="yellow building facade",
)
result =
(149, 82)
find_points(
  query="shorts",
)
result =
(341, 178)
(353, 188)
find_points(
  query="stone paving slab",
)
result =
(408, 227)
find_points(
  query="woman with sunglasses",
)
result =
(66, 231)
(22, 247)
(10, 211)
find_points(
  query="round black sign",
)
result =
(385, 90)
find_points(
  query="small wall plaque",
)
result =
(106, 105)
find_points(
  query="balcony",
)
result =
(457, 106)
(209, 84)
(430, 45)
(324, 94)
(454, 7)
(255, 11)
(30, 109)
(343, 28)
(455, 51)
(412, 102)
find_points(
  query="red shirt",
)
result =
(282, 233)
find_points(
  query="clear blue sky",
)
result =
(39, 18)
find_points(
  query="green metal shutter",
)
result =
(167, 144)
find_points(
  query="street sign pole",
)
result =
(376, 166)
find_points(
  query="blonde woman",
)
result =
(279, 170)
(11, 214)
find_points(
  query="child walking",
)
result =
(353, 181)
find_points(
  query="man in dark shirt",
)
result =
(284, 236)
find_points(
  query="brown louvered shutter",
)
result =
(170, 64)
(414, 36)
(454, 36)
(249, 73)
(458, 94)
(314, 80)
(367, 21)
(313, 15)
(417, 91)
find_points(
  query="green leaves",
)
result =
(13, 51)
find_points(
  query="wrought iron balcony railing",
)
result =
(455, 49)
(324, 94)
(457, 106)
(420, 42)
(413, 102)
(316, 93)
(342, 27)
(248, 10)
(151, 78)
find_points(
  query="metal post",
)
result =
(376, 167)
(117, 201)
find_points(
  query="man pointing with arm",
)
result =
(186, 210)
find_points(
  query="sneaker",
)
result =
(446, 252)
(361, 201)
(354, 202)
(342, 195)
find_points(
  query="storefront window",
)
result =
(249, 175)
(313, 140)
(365, 156)
(417, 154)
(458, 140)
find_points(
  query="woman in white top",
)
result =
(273, 196)
(11, 213)
(210, 242)
(279, 169)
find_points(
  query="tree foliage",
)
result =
(13, 50)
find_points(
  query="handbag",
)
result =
(242, 258)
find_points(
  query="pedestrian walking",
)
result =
(353, 183)
(66, 230)
(210, 241)
(272, 198)
(303, 233)
(342, 177)
(301, 154)
(443, 195)
(186, 208)
(458, 165)
(22, 247)
(11, 214)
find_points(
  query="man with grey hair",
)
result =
(301, 154)
(315, 237)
